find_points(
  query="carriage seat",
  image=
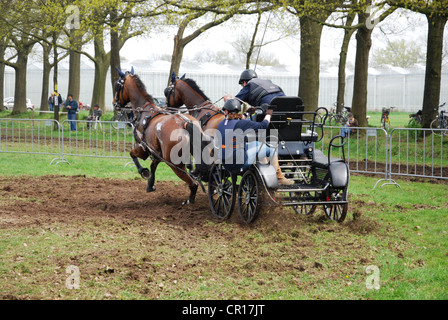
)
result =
(321, 161)
(288, 119)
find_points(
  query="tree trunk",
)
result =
(102, 63)
(309, 62)
(363, 45)
(2, 76)
(342, 64)
(252, 43)
(20, 83)
(115, 61)
(74, 73)
(431, 98)
(178, 50)
(55, 81)
(45, 78)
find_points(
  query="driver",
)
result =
(256, 91)
(234, 123)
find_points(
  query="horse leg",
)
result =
(139, 152)
(152, 176)
(192, 184)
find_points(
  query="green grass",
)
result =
(403, 231)
(404, 236)
(397, 119)
(37, 165)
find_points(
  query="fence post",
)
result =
(60, 157)
(389, 180)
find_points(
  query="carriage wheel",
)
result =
(307, 209)
(336, 212)
(302, 176)
(221, 192)
(249, 196)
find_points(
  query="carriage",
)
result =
(319, 180)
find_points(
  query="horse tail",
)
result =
(198, 142)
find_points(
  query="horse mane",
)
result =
(196, 88)
(141, 86)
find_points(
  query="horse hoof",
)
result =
(150, 188)
(145, 174)
(185, 202)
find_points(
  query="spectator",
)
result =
(94, 116)
(97, 113)
(57, 100)
(72, 108)
(51, 101)
(351, 123)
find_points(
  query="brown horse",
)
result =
(186, 91)
(154, 128)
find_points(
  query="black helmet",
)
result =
(232, 105)
(247, 75)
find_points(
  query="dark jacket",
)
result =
(73, 106)
(234, 158)
(258, 91)
(52, 100)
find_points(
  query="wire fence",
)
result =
(410, 152)
(101, 139)
(403, 90)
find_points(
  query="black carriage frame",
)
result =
(319, 180)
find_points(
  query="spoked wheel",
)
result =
(385, 123)
(221, 192)
(117, 119)
(436, 124)
(336, 212)
(249, 196)
(302, 176)
(306, 209)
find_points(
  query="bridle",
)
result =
(118, 105)
(119, 88)
(170, 90)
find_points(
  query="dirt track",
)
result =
(148, 245)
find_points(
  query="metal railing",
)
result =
(30, 136)
(104, 139)
(411, 152)
(101, 139)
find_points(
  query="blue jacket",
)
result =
(233, 159)
(73, 106)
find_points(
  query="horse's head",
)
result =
(184, 91)
(130, 89)
(121, 94)
(173, 100)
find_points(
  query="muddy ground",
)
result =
(146, 245)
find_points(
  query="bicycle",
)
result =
(338, 118)
(385, 120)
(124, 115)
(416, 119)
(440, 122)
